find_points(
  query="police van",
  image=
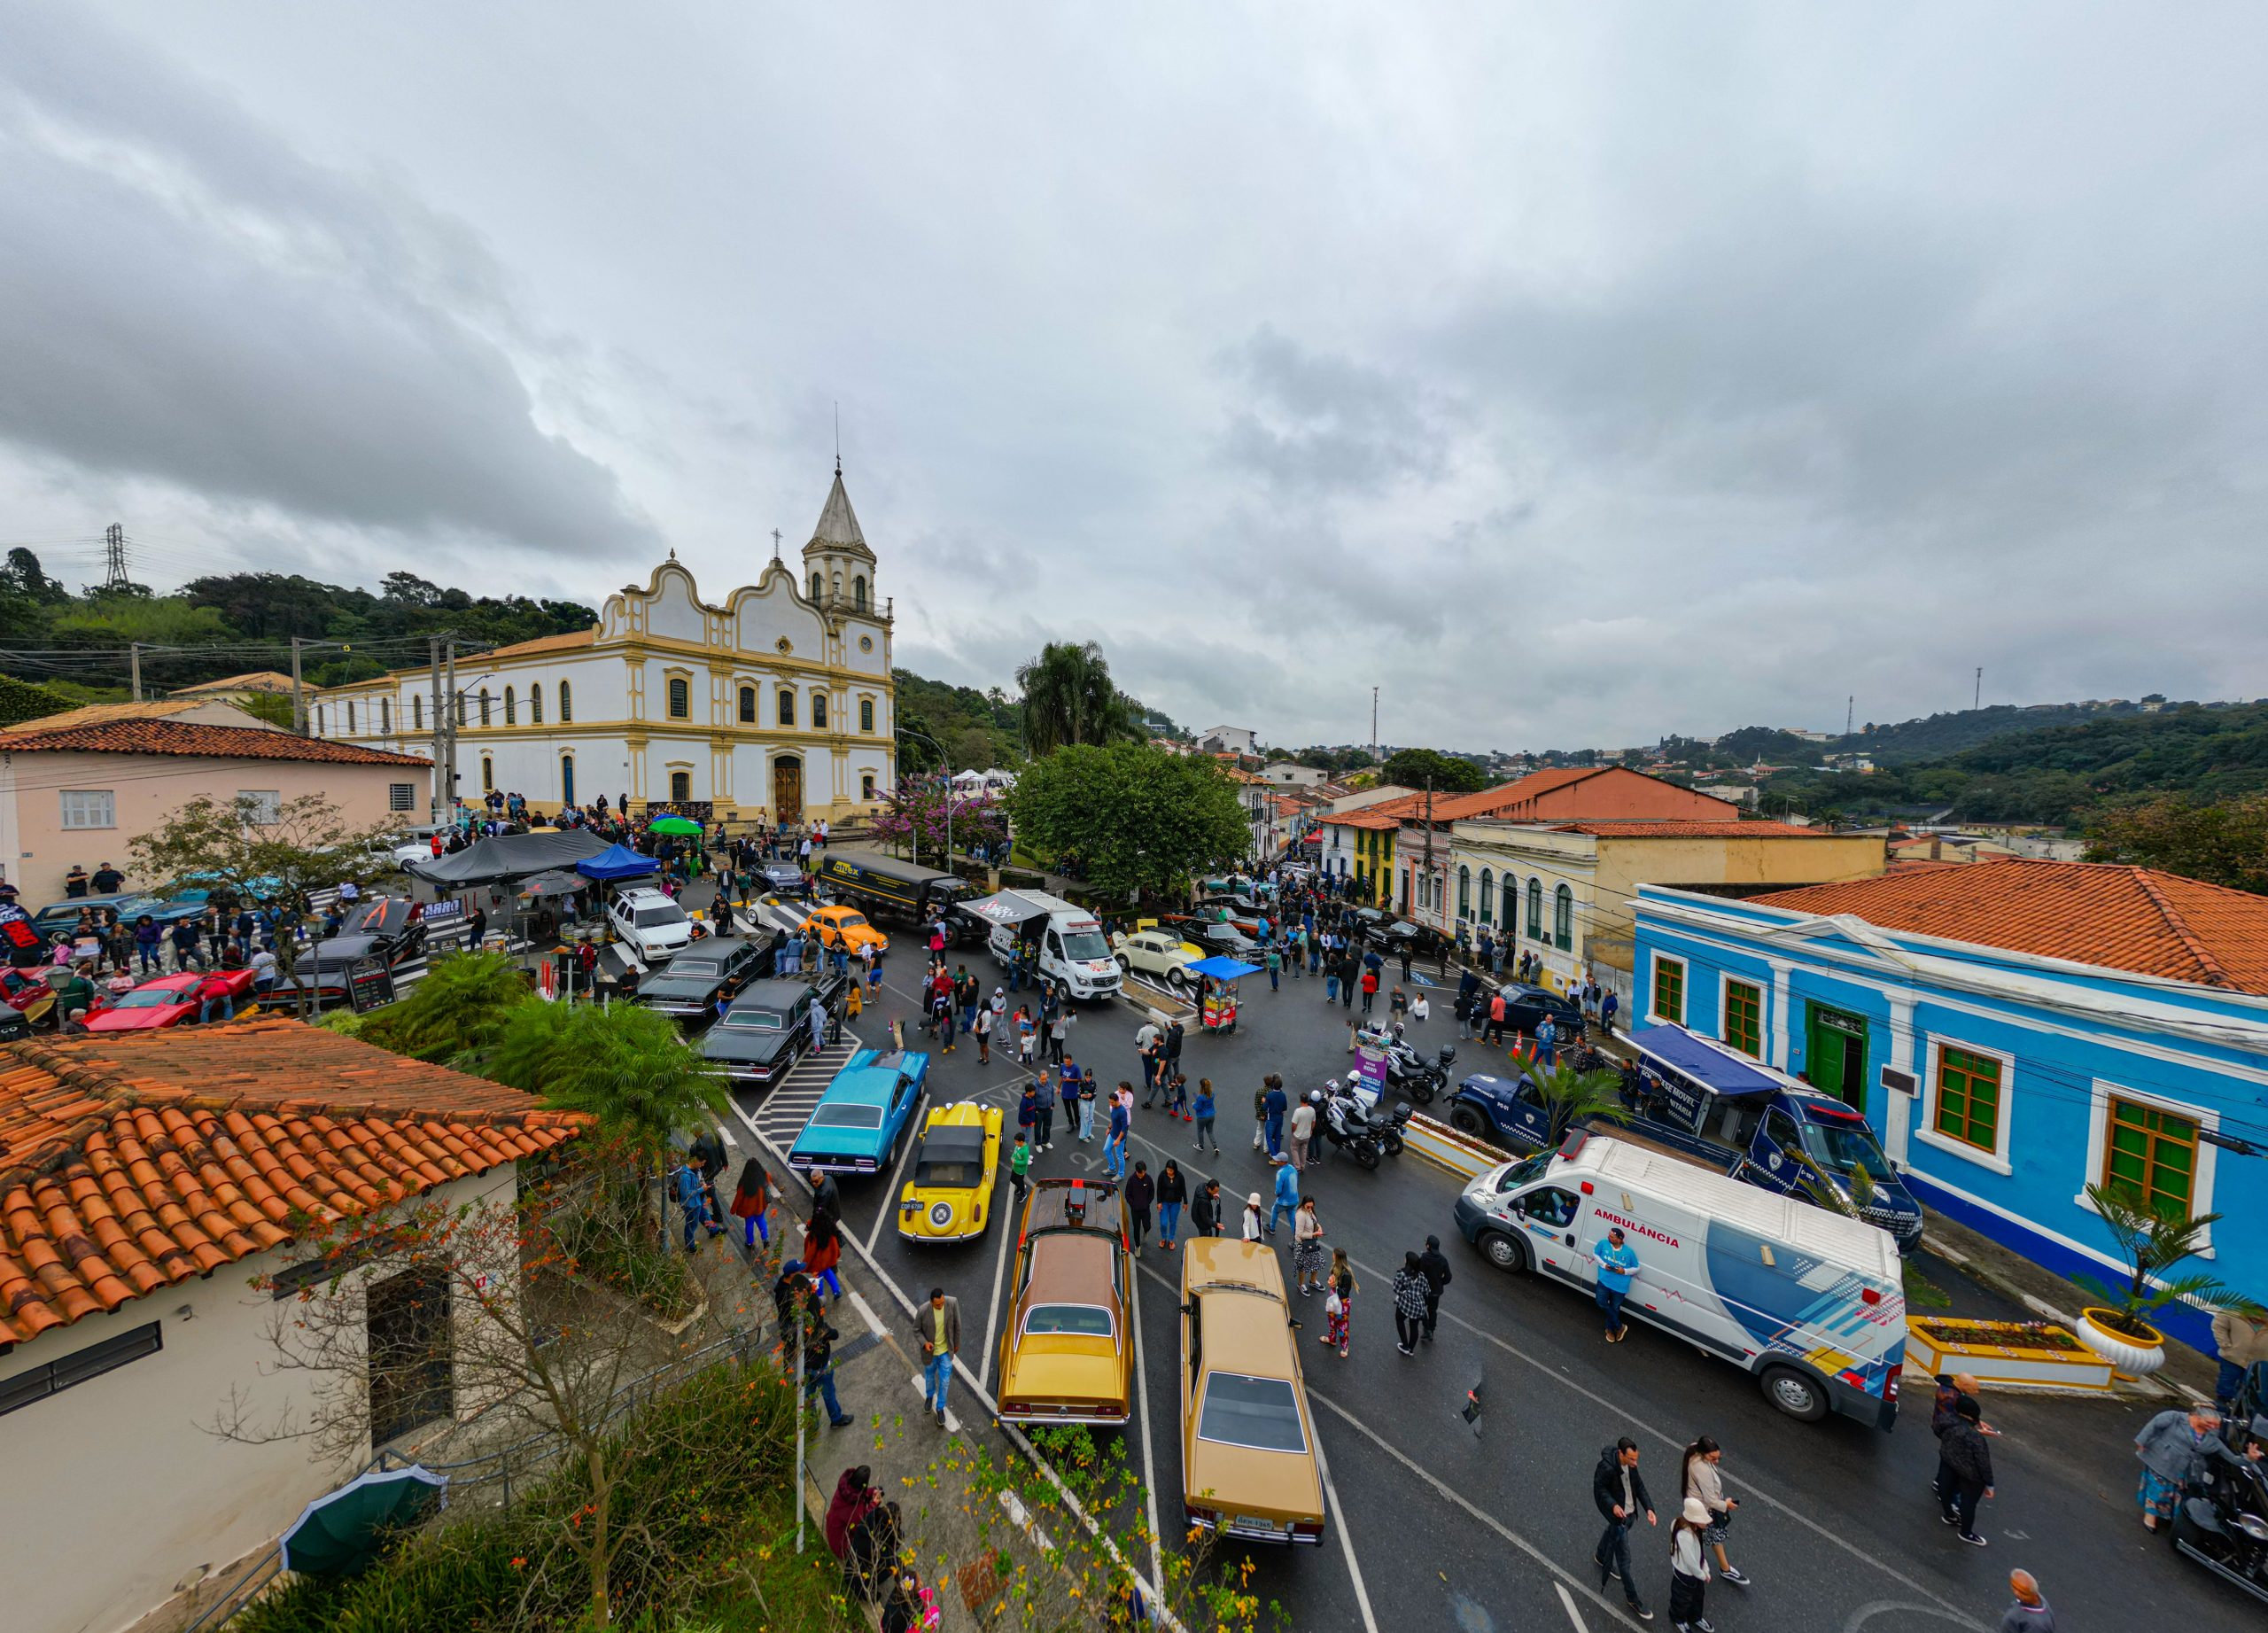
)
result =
(1810, 1303)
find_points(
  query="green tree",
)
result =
(627, 1066)
(457, 1014)
(1570, 1098)
(1132, 817)
(257, 851)
(1415, 768)
(1068, 699)
(2222, 843)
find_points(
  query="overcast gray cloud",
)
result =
(1571, 375)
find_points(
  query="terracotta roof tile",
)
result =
(2108, 915)
(257, 681)
(541, 643)
(1644, 828)
(149, 736)
(134, 1160)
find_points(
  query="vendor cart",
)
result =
(1216, 991)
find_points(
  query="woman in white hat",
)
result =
(1252, 1217)
(1689, 1569)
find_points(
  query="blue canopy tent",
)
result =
(1709, 1067)
(1221, 966)
(616, 862)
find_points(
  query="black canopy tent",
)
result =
(506, 858)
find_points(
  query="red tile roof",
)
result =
(1642, 828)
(130, 1161)
(2109, 914)
(1365, 818)
(146, 737)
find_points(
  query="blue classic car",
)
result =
(856, 1125)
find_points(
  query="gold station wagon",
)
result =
(1249, 1465)
(1067, 1356)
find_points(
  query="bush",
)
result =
(728, 1455)
(1012, 879)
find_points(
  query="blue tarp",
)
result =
(1221, 966)
(616, 862)
(1709, 1067)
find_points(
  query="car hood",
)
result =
(138, 1020)
(742, 1046)
(680, 987)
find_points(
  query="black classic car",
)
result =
(712, 969)
(767, 1027)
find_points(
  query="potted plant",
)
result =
(2152, 1243)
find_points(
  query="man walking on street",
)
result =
(2030, 1614)
(1435, 1269)
(1619, 1492)
(1302, 1132)
(1205, 1212)
(1147, 1043)
(1288, 1194)
(937, 1326)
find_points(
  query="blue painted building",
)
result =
(2013, 1031)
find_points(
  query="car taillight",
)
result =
(1200, 1515)
(1890, 1381)
(1307, 1531)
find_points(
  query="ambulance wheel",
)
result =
(1506, 1253)
(1795, 1394)
(1465, 1120)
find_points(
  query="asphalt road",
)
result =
(1437, 1525)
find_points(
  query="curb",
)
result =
(1446, 1148)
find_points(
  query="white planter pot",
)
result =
(2130, 1357)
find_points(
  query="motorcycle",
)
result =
(1344, 1126)
(2223, 1525)
(1409, 1071)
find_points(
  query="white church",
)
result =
(775, 702)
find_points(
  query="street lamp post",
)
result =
(946, 760)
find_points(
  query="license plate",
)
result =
(1249, 1524)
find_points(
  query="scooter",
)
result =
(2223, 1525)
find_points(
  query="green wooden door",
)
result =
(1835, 1054)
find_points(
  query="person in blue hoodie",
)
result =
(1287, 1193)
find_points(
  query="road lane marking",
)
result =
(1346, 1539)
(1565, 1579)
(1149, 1459)
(922, 1389)
(897, 1173)
(1568, 1599)
(1559, 1377)
(1008, 1228)
(867, 1311)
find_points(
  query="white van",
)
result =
(1073, 955)
(1809, 1303)
(655, 926)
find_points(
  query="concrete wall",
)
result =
(37, 850)
(117, 1495)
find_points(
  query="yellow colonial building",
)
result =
(775, 702)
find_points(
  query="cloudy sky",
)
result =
(1572, 373)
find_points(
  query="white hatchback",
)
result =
(655, 926)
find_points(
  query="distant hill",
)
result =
(1949, 732)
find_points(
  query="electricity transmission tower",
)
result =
(115, 548)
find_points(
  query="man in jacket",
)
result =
(818, 1372)
(2240, 1340)
(1619, 1492)
(1969, 1461)
(1435, 1269)
(936, 1327)
(1952, 1388)
(1205, 1212)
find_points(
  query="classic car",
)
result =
(175, 1000)
(1249, 1465)
(844, 927)
(655, 926)
(860, 1116)
(326, 971)
(1524, 1007)
(1066, 1356)
(783, 878)
(394, 925)
(949, 1196)
(1212, 937)
(1159, 953)
(715, 968)
(58, 917)
(766, 1029)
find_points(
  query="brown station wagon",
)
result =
(1248, 1466)
(1067, 1356)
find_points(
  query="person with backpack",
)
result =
(752, 1204)
(1703, 1484)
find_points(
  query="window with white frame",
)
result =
(89, 808)
(261, 807)
(1969, 1102)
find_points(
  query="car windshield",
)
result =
(1844, 1147)
(756, 1019)
(1085, 944)
(946, 1174)
(147, 999)
(1262, 1413)
(1078, 1320)
(847, 1116)
(669, 912)
(1519, 1173)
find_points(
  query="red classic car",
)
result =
(175, 1000)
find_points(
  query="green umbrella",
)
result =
(674, 825)
(338, 1534)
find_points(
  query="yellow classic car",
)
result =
(845, 928)
(1248, 1444)
(955, 1166)
(1067, 1356)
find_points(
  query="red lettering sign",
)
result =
(1631, 1227)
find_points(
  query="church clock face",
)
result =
(787, 645)
(865, 643)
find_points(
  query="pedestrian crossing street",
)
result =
(784, 1109)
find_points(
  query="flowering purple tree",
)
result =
(914, 817)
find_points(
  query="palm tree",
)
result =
(1572, 1097)
(457, 1012)
(2152, 1242)
(627, 1066)
(1069, 698)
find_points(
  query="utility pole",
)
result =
(1850, 713)
(299, 692)
(1977, 702)
(134, 660)
(115, 548)
(1429, 836)
(440, 795)
(449, 785)
(1374, 722)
